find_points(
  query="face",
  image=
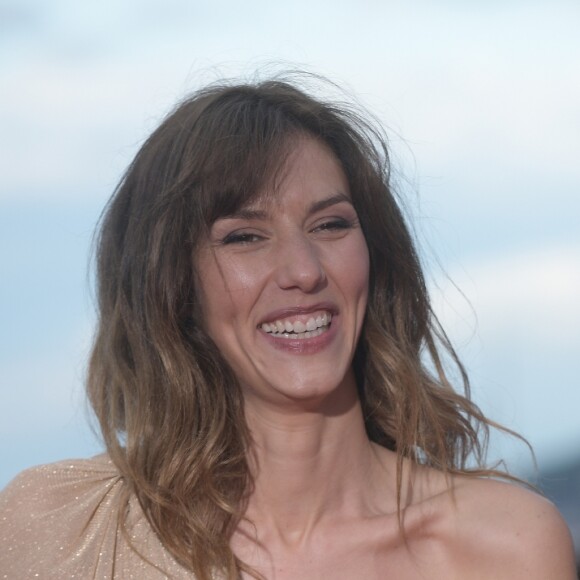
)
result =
(284, 282)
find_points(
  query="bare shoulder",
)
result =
(510, 532)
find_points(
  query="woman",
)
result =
(268, 377)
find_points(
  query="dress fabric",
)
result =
(59, 521)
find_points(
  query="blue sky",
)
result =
(481, 101)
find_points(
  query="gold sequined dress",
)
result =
(59, 521)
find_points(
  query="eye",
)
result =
(332, 225)
(242, 238)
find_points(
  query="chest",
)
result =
(347, 557)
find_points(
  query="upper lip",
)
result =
(282, 313)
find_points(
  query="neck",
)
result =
(314, 466)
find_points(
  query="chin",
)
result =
(308, 390)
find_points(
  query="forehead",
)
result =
(310, 175)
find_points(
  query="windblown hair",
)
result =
(169, 407)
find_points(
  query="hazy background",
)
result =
(482, 102)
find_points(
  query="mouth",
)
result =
(299, 327)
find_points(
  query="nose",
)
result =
(298, 265)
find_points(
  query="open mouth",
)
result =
(299, 328)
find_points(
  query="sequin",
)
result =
(59, 521)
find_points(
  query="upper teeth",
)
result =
(285, 326)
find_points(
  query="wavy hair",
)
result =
(169, 407)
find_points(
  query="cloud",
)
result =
(536, 291)
(83, 87)
(518, 329)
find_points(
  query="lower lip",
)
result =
(303, 345)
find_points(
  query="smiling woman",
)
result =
(267, 374)
(287, 279)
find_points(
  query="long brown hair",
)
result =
(169, 407)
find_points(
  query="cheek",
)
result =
(355, 268)
(227, 290)
(212, 291)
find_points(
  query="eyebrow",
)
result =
(246, 213)
(329, 201)
(260, 214)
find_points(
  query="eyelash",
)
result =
(244, 238)
(240, 238)
(335, 224)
